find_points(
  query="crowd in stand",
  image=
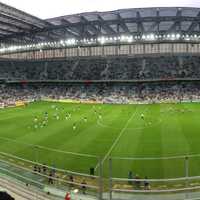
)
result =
(141, 69)
(103, 69)
(115, 93)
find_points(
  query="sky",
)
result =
(53, 8)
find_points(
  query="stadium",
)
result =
(100, 105)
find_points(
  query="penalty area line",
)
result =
(117, 139)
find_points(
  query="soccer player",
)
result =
(67, 116)
(74, 126)
(54, 115)
(85, 119)
(35, 119)
(44, 123)
(46, 118)
(142, 116)
(36, 126)
(46, 115)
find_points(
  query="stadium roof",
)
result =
(14, 21)
(19, 27)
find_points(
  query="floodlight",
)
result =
(130, 39)
(178, 36)
(143, 37)
(101, 40)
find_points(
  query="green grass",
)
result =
(165, 131)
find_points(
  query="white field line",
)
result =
(117, 139)
(136, 128)
(48, 148)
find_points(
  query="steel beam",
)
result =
(105, 26)
(194, 24)
(122, 23)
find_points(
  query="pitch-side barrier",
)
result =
(51, 180)
(117, 178)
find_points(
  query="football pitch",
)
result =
(154, 138)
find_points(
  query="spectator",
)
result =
(35, 168)
(67, 197)
(44, 168)
(146, 183)
(50, 181)
(83, 186)
(137, 182)
(130, 176)
(5, 196)
(71, 179)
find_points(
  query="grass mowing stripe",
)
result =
(167, 134)
(117, 139)
(47, 148)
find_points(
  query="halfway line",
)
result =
(116, 140)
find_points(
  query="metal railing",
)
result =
(108, 182)
(61, 180)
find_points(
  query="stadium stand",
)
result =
(163, 67)
(12, 190)
(108, 93)
(121, 80)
